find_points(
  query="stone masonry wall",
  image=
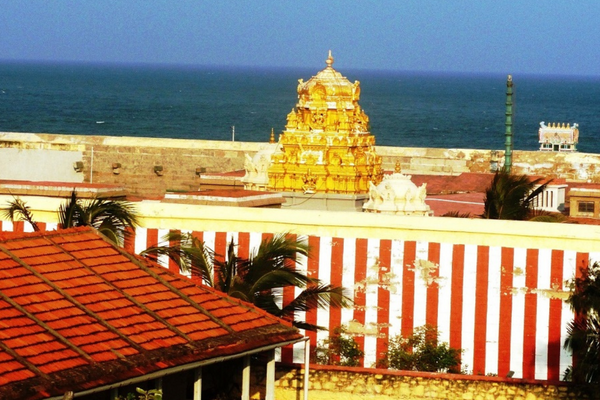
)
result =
(571, 166)
(131, 162)
(343, 383)
(128, 161)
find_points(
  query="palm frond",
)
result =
(279, 278)
(188, 252)
(457, 214)
(267, 301)
(511, 196)
(114, 218)
(226, 270)
(278, 253)
(119, 213)
(18, 210)
(317, 296)
(69, 212)
(307, 326)
(258, 279)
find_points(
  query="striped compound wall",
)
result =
(503, 305)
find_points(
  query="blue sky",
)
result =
(524, 36)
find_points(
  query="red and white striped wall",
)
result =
(502, 305)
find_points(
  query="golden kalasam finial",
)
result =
(272, 138)
(397, 169)
(329, 60)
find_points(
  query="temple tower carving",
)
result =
(326, 146)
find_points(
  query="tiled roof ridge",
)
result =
(11, 235)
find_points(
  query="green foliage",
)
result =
(422, 351)
(339, 349)
(113, 218)
(255, 279)
(545, 216)
(457, 214)
(17, 210)
(151, 394)
(511, 196)
(110, 217)
(190, 253)
(583, 333)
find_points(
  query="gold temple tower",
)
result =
(326, 146)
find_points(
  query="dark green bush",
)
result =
(339, 349)
(422, 351)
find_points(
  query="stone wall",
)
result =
(131, 162)
(571, 166)
(125, 161)
(331, 383)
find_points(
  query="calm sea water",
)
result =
(405, 109)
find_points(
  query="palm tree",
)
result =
(583, 333)
(511, 196)
(255, 279)
(113, 218)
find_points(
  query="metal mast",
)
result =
(508, 123)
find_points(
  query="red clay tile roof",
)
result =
(447, 184)
(471, 203)
(76, 312)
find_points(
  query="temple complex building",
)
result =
(558, 137)
(326, 147)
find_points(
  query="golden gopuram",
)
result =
(326, 146)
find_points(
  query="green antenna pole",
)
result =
(508, 123)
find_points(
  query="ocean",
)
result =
(406, 109)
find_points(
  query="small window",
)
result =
(586, 206)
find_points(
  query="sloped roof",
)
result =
(77, 312)
(450, 184)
